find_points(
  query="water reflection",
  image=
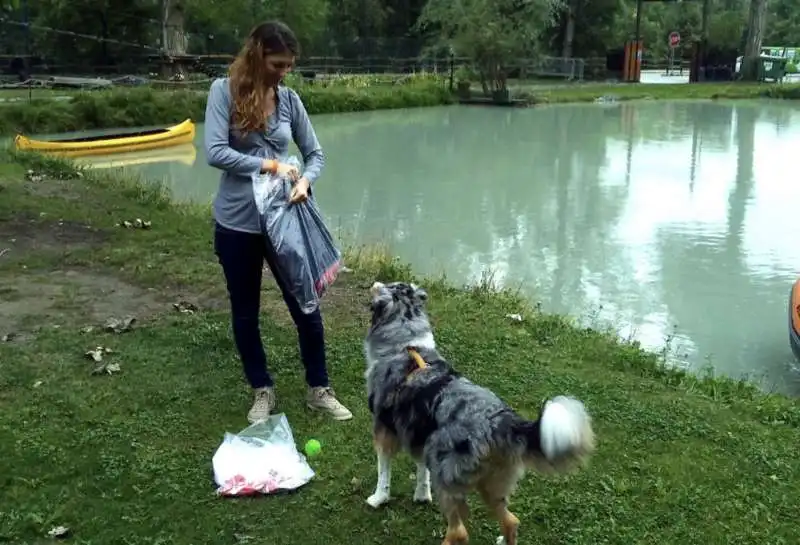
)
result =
(183, 154)
(664, 216)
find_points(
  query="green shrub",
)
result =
(145, 106)
(340, 100)
(466, 73)
(789, 92)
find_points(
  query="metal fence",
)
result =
(150, 67)
(37, 51)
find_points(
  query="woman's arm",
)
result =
(219, 153)
(306, 139)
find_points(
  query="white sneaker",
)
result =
(323, 399)
(263, 405)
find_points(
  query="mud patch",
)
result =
(22, 234)
(31, 301)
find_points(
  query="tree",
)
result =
(494, 34)
(589, 28)
(351, 20)
(752, 48)
(784, 23)
(174, 40)
(98, 33)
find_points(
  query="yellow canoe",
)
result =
(794, 319)
(127, 141)
(185, 154)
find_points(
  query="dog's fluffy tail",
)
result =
(562, 438)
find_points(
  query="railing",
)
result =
(676, 68)
(570, 69)
(148, 68)
(375, 65)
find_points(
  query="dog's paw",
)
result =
(500, 541)
(378, 499)
(423, 495)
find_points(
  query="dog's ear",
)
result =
(377, 288)
(378, 305)
(419, 293)
(381, 297)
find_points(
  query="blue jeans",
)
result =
(242, 256)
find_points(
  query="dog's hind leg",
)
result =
(385, 447)
(455, 509)
(496, 499)
(509, 523)
(422, 493)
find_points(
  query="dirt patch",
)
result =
(23, 234)
(34, 296)
(47, 187)
(347, 300)
(71, 298)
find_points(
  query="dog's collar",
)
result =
(419, 363)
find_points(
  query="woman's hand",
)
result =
(280, 169)
(288, 171)
(299, 191)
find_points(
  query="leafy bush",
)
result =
(363, 81)
(145, 106)
(466, 73)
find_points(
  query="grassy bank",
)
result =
(135, 107)
(125, 457)
(645, 91)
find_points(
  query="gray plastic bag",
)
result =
(307, 257)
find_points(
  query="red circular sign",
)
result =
(674, 39)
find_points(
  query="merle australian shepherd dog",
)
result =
(462, 436)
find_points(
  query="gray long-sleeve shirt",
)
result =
(240, 156)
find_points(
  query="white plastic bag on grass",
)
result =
(261, 459)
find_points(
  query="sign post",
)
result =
(674, 42)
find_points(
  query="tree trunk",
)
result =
(569, 30)
(755, 31)
(104, 56)
(174, 41)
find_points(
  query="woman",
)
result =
(250, 121)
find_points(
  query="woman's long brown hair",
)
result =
(249, 82)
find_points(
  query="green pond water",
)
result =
(672, 221)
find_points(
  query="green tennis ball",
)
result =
(313, 447)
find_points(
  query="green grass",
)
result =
(136, 107)
(127, 458)
(656, 91)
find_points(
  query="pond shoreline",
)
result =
(134, 107)
(447, 149)
(371, 260)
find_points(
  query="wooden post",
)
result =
(637, 45)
